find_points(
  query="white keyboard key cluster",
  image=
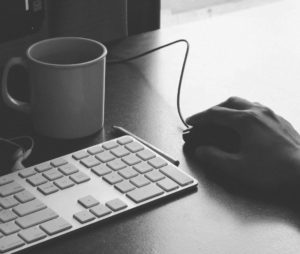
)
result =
(62, 195)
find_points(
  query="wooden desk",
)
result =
(253, 53)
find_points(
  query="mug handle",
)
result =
(7, 98)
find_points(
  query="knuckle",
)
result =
(250, 116)
(266, 111)
(233, 99)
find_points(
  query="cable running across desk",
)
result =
(181, 73)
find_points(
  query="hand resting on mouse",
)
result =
(265, 149)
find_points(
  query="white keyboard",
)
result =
(70, 192)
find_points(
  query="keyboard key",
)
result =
(120, 151)
(145, 193)
(68, 169)
(101, 170)
(134, 147)
(116, 164)
(157, 162)
(9, 228)
(43, 167)
(31, 235)
(116, 205)
(5, 180)
(58, 162)
(36, 218)
(8, 202)
(36, 180)
(80, 155)
(109, 145)
(27, 172)
(90, 162)
(84, 216)
(155, 176)
(143, 167)
(105, 156)
(52, 174)
(10, 189)
(88, 201)
(100, 210)
(79, 177)
(7, 215)
(128, 172)
(47, 188)
(146, 154)
(55, 226)
(64, 183)
(10, 242)
(125, 140)
(24, 196)
(94, 150)
(29, 207)
(131, 159)
(167, 184)
(176, 175)
(113, 178)
(139, 181)
(124, 186)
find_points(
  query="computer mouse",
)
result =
(219, 136)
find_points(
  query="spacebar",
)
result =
(36, 218)
(144, 193)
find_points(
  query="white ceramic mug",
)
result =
(67, 82)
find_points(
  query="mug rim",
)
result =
(66, 65)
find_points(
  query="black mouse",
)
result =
(219, 136)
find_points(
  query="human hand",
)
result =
(268, 155)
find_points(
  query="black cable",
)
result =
(181, 74)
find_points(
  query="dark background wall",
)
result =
(143, 15)
(103, 20)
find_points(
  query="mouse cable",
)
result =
(181, 73)
(23, 152)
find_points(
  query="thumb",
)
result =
(217, 159)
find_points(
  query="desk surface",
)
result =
(253, 53)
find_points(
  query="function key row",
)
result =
(111, 145)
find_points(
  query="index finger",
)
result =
(217, 115)
(237, 103)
